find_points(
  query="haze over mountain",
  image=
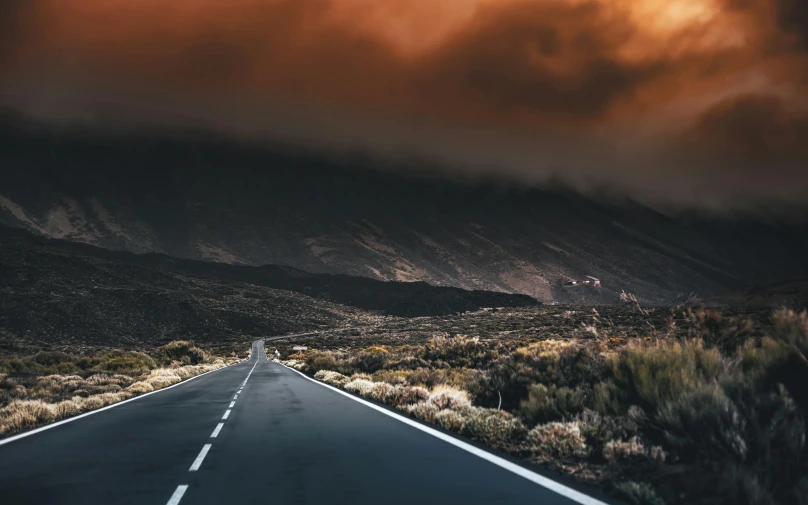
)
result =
(233, 203)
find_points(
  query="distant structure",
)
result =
(299, 348)
(589, 281)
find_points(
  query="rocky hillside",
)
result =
(58, 291)
(240, 205)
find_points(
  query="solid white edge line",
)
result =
(71, 419)
(231, 404)
(177, 496)
(226, 414)
(217, 430)
(199, 459)
(548, 483)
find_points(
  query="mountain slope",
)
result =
(241, 205)
(75, 293)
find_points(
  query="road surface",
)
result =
(280, 438)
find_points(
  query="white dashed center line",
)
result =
(177, 496)
(199, 459)
(180, 491)
(217, 430)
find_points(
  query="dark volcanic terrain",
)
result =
(58, 291)
(240, 205)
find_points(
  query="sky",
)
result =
(691, 103)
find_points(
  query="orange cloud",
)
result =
(594, 92)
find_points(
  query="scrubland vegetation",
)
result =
(51, 385)
(669, 406)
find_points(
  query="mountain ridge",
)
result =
(227, 203)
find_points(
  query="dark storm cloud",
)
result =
(756, 129)
(666, 100)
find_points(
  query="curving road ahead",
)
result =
(280, 438)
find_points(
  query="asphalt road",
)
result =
(285, 440)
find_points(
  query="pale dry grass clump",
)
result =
(449, 397)
(162, 377)
(556, 440)
(450, 420)
(616, 450)
(293, 363)
(362, 387)
(333, 378)
(411, 395)
(102, 390)
(423, 410)
(384, 392)
(140, 387)
(496, 428)
(21, 414)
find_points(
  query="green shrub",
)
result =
(720, 331)
(560, 363)
(125, 363)
(638, 493)
(369, 360)
(323, 360)
(552, 403)
(655, 374)
(791, 328)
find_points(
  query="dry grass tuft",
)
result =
(333, 378)
(556, 440)
(140, 388)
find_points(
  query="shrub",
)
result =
(791, 327)
(362, 387)
(68, 408)
(638, 493)
(545, 404)
(718, 330)
(140, 388)
(322, 360)
(411, 395)
(617, 450)
(369, 360)
(703, 422)
(161, 378)
(458, 352)
(333, 378)
(447, 397)
(128, 362)
(556, 440)
(653, 375)
(422, 410)
(493, 427)
(384, 392)
(450, 420)
(560, 363)
(183, 351)
(52, 358)
(21, 414)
